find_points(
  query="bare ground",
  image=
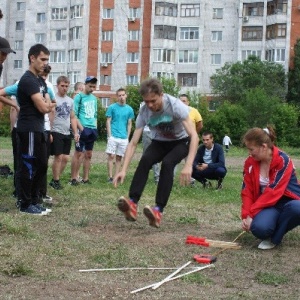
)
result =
(233, 277)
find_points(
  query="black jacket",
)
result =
(217, 157)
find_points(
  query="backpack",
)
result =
(5, 171)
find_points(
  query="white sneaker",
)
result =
(266, 245)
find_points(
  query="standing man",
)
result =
(226, 142)
(174, 138)
(193, 113)
(60, 130)
(85, 108)
(4, 51)
(118, 126)
(209, 162)
(34, 103)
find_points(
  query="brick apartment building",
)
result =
(122, 42)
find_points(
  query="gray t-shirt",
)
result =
(166, 124)
(61, 122)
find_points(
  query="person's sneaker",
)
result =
(73, 182)
(55, 184)
(219, 185)
(266, 245)
(33, 210)
(206, 184)
(153, 215)
(110, 180)
(85, 181)
(128, 208)
(43, 209)
(47, 198)
(79, 179)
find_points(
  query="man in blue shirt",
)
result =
(118, 125)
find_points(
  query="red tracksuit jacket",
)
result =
(282, 182)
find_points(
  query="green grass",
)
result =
(86, 231)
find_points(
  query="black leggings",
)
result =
(169, 154)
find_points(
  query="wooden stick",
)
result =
(125, 269)
(173, 278)
(171, 275)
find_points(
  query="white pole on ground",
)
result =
(173, 278)
(171, 275)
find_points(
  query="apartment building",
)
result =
(122, 42)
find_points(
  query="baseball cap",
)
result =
(4, 46)
(91, 79)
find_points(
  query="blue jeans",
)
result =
(274, 222)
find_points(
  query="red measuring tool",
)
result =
(207, 258)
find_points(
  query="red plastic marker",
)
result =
(205, 258)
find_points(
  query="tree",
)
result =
(233, 80)
(259, 107)
(293, 95)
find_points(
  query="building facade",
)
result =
(123, 42)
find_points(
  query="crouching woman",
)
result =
(270, 192)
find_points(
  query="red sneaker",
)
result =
(128, 208)
(153, 215)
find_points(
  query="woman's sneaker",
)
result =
(153, 215)
(42, 208)
(128, 208)
(33, 210)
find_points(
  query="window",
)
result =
(105, 80)
(74, 76)
(75, 55)
(247, 53)
(76, 11)
(131, 79)
(105, 102)
(252, 33)
(217, 13)
(253, 9)
(40, 38)
(278, 7)
(106, 57)
(164, 55)
(215, 59)
(40, 17)
(75, 33)
(54, 75)
(107, 35)
(216, 36)
(163, 74)
(18, 45)
(188, 56)
(20, 25)
(276, 55)
(21, 5)
(59, 13)
(165, 9)
(18, 64)
(190, 10)
(57, 57)
(276, 30)
(58, 35)
(108, 13)
(132, 57)
(189, 33)
(165, 32)
(134, 12)
(133, 35)
(187, 79)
